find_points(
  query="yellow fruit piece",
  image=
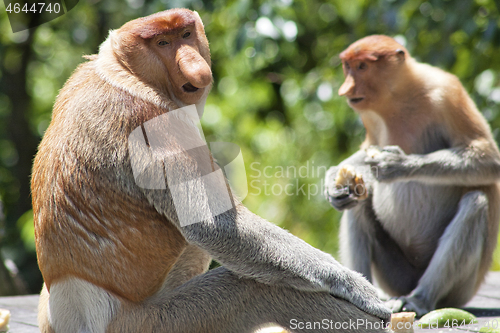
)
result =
(402, 321)
(345, 175)
(272, 329)
(359, 187)
(4, 320)
(350, 181)
(447, 317)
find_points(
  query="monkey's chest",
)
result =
(415, 214)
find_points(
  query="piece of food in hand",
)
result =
(360, 188)
(348, 182)
(447, 317)
(402, 321)
(4, 320)
(345, 175)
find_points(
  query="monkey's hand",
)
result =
(408, 304)
(353, 287)
(345, 187)
(389, 164)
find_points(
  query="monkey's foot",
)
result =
(408, 304)
(382, 294)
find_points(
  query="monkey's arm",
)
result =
(473, 165)
(253, 247)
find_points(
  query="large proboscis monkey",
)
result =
(113, 254)
(429, 224)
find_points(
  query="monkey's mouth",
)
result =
(356, 100)
(188, 87)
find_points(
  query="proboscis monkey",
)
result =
(429, 226)
(114, 255)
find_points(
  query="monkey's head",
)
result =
(372, 67)
(169, 51)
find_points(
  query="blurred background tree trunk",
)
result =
(8, 286)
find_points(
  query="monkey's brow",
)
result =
(166, 29)
(178, 29)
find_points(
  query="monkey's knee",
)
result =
(470, 223)
(43, 312)
(475, 201)
(76, 305)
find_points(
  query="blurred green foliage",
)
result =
(276, 75)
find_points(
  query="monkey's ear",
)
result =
(400, 54)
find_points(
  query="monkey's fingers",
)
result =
(344, 202)
(394, 150)
(408, 304)
(373, 151)
(395, 304)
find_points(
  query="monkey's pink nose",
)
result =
(347, 87)
(194, 68)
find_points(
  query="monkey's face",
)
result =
(188, 71)
(184, 52)
(168, 50)
(372, 68)
(358, 87)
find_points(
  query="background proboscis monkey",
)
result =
(429, 225)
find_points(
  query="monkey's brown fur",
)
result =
(114, 256)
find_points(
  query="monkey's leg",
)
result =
(192, 262)
(43, 314)
(356, 238)
(75, 304)
(452, 273)
(363, 241)
(220, 301)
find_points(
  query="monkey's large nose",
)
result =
(194, 68)
(347, 87)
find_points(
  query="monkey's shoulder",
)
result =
(434, 76)
(439, 84)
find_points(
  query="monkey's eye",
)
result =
(186, 34)
(362, 66)
(162, 43)
(346, 64)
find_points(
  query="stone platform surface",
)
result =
(485, 305)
